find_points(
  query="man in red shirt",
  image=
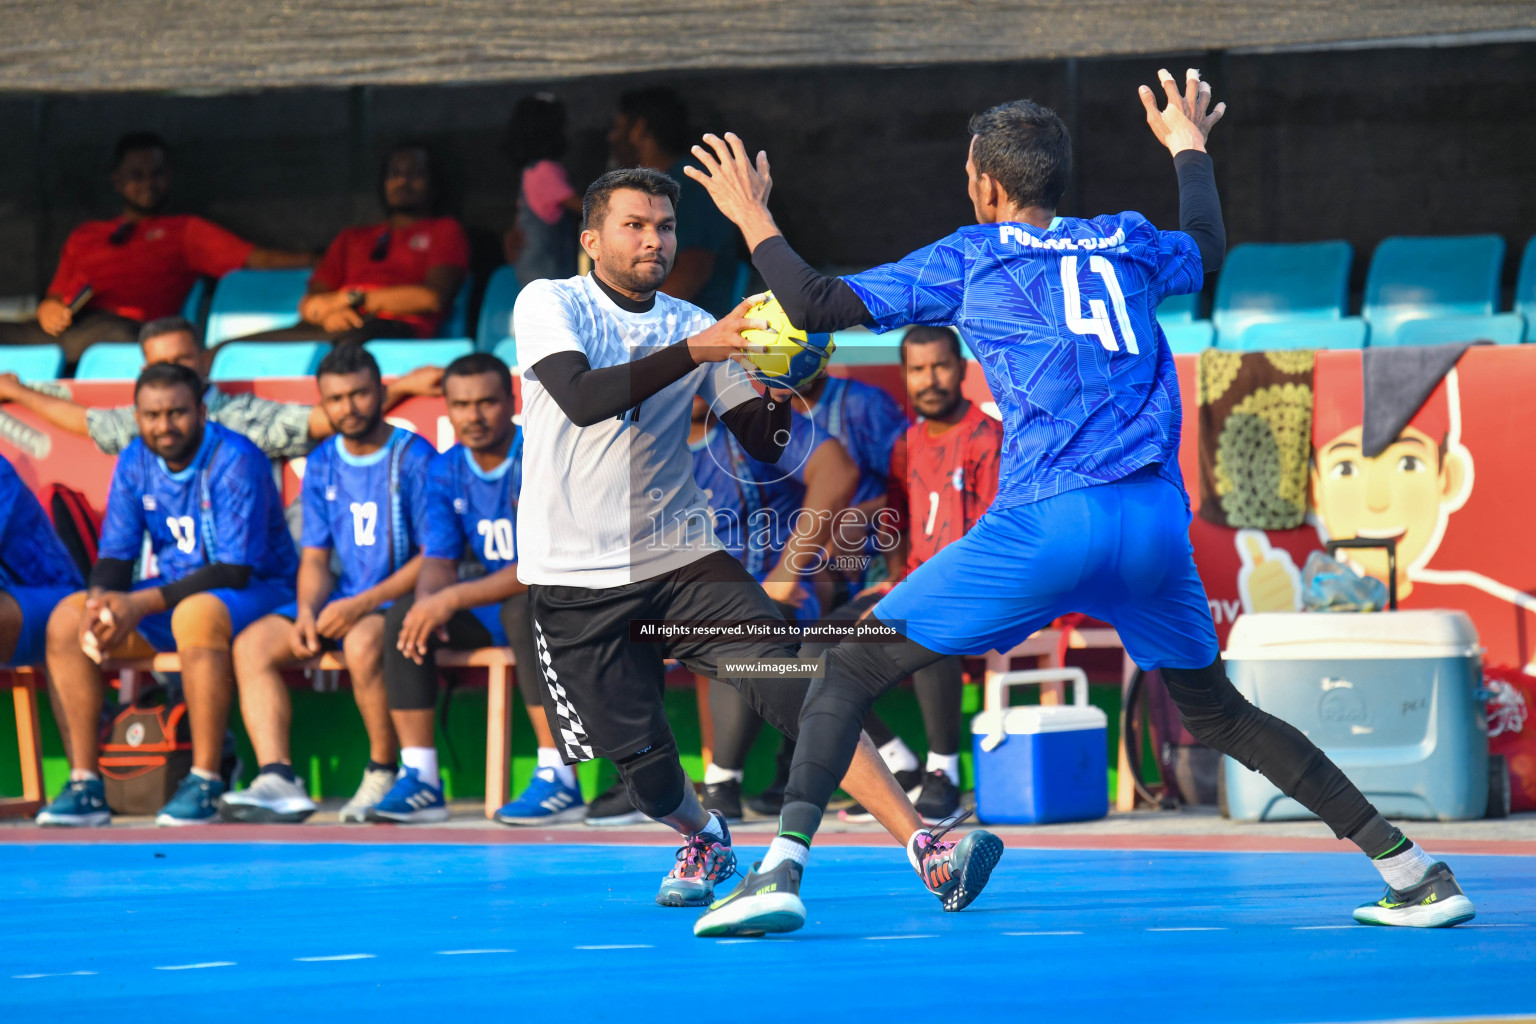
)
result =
(943, 477)
(114, 275)
(391, 280)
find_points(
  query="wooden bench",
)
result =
(498, 662)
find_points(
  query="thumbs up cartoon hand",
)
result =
(1268, 580)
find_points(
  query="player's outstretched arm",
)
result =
(738, 186)
(1186, 122)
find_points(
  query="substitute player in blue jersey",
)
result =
(777, 520)
(1091, 513)
(36, 572)
(470, 519)
(364, 491)
(205, 497)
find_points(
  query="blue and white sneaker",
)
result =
(410, 801)
(546, 801)
(82, 804)
(196, 802)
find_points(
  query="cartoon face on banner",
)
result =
(1406, 494)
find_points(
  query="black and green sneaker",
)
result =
(762, 903)
(1435, 902)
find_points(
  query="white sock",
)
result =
(424, 760)
(949, 764)
(1403, 870)
(898, 757)
(714, 775)
(783, 849)
(206, 775)
(81, 775)
(912, 851)
(713, 829)
(565, 774)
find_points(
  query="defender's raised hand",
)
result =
(1185, 122)
(738, 188)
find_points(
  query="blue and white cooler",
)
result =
(1392, 697)
(1040, 764)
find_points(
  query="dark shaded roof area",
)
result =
(88, 45)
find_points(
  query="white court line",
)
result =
(895, 938)
(1042, 933)
(619, 946)
(62, 974)
(1323, 927)
(1511, 925)
(471, 952)
(328, 959)
(197, 967)
(1195, 928)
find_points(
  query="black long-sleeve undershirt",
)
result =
(819, 303)
(116, 574)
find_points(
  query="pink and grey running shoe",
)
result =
(955, 872)
(701, 862)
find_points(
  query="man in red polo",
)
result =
(391, 280)
(115, 275)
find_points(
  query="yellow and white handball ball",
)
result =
(791, 358)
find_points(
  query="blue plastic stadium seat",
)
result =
(1418, 278)
(1503, 328)
(1304, 332)
(195, 308)
(506, 351)
(399, 357)
(1262, 283)
(254, 360)
(496, 312)
(1525, 289)
(111, 360)
(1194, 337)
(247, 301)
(860, 347)
(456, 323)
(1178, 309)
(32, 362)
(743, 278)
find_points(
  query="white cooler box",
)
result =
(1392, 697)
(1040, 764)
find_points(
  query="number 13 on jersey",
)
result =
(1097, 322)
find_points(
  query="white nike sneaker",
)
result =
(269, 798)
(376, 784)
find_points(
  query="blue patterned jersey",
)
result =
(223, 507)
(368, 508)
(466, 506)
(1064, 324)
(867, 420)
(31, 554)
(754, 503)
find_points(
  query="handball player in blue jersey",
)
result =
(36, 572)
(1091, 513)
(470, 519)
(223, 558)
(364, 492)
(776, 519)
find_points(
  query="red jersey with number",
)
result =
(950, 480)
(379, 256)
(151, 267)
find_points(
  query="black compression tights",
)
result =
(1211, 707)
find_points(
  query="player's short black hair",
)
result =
(169, 325)
(665, 115)
(594, 205)
(477, 363)
(133, 142)
(921, 335)
(348, 358)
(169, 375)
(1026, 149)
(536, 130)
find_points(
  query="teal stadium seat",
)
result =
(456, 323)
(32, 362)
(247, 301)
(195, 308)
(496, 313)
(1502, 328)
(399, 357)
(254, 360)
(1178, 309)
(111, 360)
(1525, 290)
(506, 351)
(1306, 332)
(1266, 283)
(1189, 338)
(1420, 278)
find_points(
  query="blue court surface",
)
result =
(383, 932)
